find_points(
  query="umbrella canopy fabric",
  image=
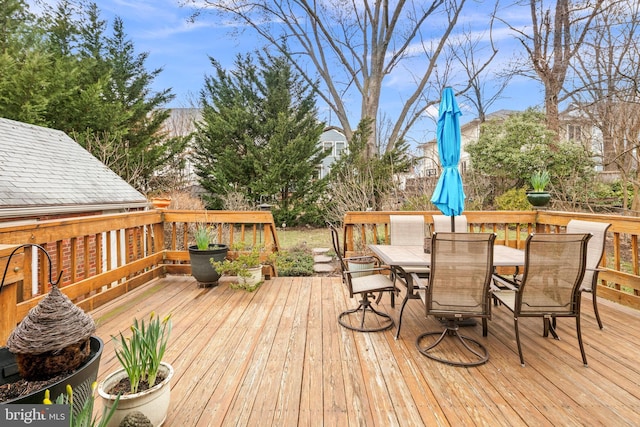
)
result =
(449, 195)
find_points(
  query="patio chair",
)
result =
(442, 223)
(550, 287)
(366, 283)
(458, 289)
(595, 251)
(408, 230)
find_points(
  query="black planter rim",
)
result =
(213, 248)
(83, 376)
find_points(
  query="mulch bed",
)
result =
(23, 387)
(124, 386)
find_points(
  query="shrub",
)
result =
(297, 262)
(513, 200)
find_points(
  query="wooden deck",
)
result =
(278, 357)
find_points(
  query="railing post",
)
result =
(9, 291)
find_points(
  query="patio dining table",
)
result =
(402, 258)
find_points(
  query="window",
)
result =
(340, 147)
(574, 133)
(327, 146)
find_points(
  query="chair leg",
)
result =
(478, 351)
(365, 307)
(550, 326)
(485, 327)
(515, 322)
(595, 307)
(404, 303)
(579, 332)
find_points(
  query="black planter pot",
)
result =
(80, 380)
(538, 198)
(201, 267)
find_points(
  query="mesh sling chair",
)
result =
(365, 282)
(550, 286)
(408, 230)
(595, 251)
(458, 288)
(442, 223)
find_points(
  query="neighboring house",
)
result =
(334, 141)
(574, 127)
(181, 122)
(45, 174)
(577, 127)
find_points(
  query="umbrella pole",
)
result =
(453, 223)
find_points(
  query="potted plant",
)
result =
(246, 266)
(202, 252)
(143, 382)
(539, 181)
(361, 263)
(53, 347)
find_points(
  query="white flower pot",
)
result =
(360, 265)
(255, 276)
(154, 402)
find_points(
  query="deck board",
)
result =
(279, 357)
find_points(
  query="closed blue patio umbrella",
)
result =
(449, 194)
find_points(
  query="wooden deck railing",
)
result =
(104, 256)
(620, 280)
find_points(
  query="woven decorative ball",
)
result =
(53, 338)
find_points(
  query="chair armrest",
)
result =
(370, 270)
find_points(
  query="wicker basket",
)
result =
(53, 338)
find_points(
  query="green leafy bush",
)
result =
(513, 200)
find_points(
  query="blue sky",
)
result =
(182, 47)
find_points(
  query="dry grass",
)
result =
(310, 237)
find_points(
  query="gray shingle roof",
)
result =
(42, 167)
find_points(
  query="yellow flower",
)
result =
(70, 394)
(47, 398)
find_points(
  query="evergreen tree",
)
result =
(24, 65)
(64, 71)
(136, 111)
(259, 135)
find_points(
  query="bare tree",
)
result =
(112, 152)
(606, 76)
(556, 34)
(467, 53)
(353, 46)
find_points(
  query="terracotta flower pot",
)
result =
(161, 202)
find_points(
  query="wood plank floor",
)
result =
(278, 357)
